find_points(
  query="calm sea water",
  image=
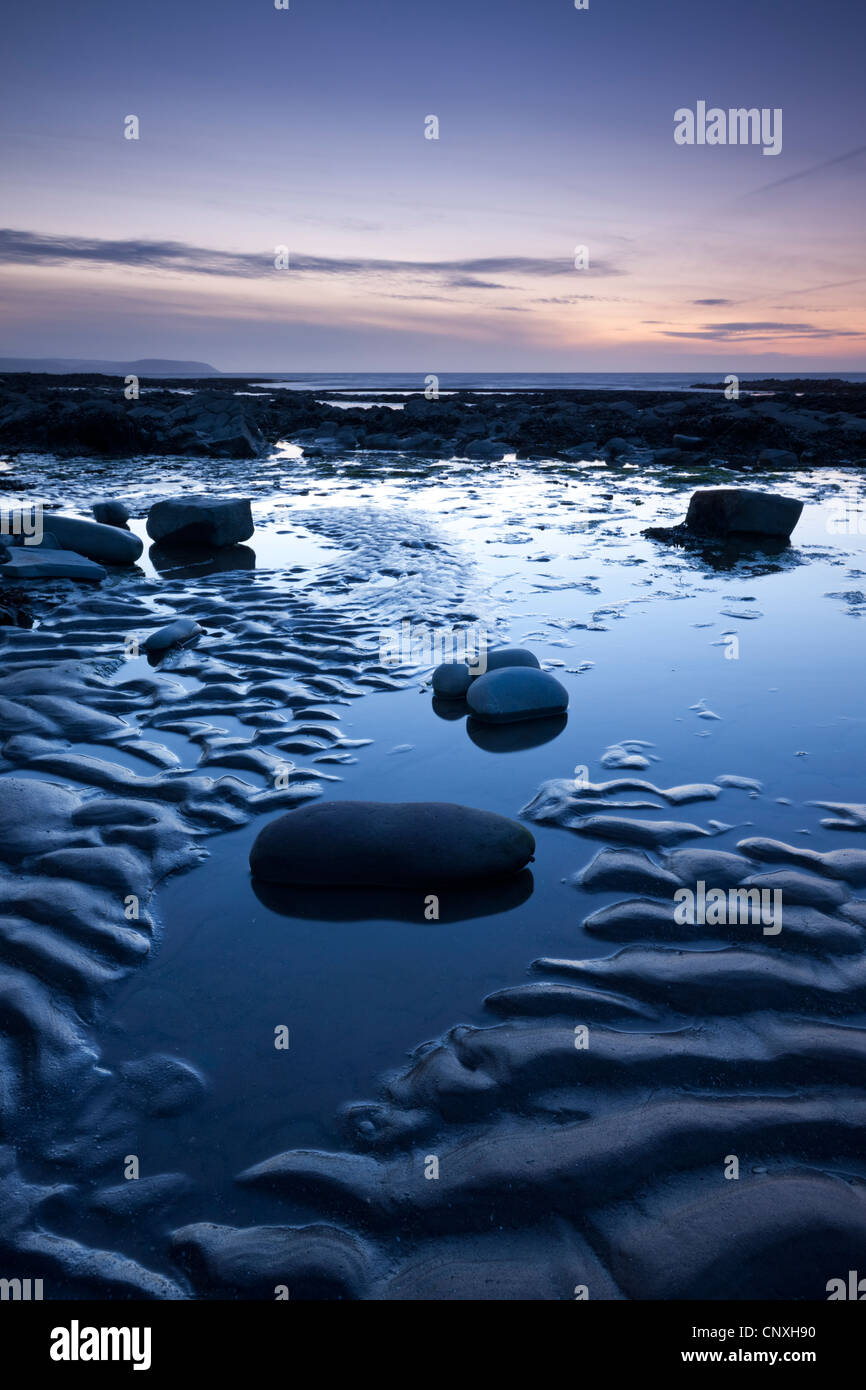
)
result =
(526, 381)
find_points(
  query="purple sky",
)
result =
(305, 128)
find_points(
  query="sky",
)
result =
(305, 129)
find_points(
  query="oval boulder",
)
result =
(514, 693)
(500, 657)
(384, 843)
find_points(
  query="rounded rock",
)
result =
(110, 512)
(389, 844)
(452, 679)
(181, 630)
(509, 656)
(514, 693)
(106, 545)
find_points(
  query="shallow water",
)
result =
(549, 556)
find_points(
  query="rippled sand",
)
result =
(559, 1167)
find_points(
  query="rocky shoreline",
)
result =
(771, 424)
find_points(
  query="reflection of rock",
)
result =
(448, 708)
(458, 903)
(189, 561)
(372, 842)
(203, 521)
(512, 737)
(514, 693)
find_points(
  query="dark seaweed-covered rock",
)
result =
(514, 693)
(731, 513)
(372, 842)
(724, 510)
(15, 609)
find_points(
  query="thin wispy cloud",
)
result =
(29, 248)
(743, 332)
(811, 171)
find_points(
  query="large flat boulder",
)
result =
(196, 520)
(38, 562)
(722, 511)
(383, 843)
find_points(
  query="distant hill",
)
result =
(145, 366)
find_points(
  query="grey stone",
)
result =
(778, 458)
(208, 521)
(510, 656)
(371, 842)
(181, 630)
(617, 445)
(488, 449)
(111, 512)
(514, 693)
(46, 541)
(452, 679)
(106, 545)
(687, 441)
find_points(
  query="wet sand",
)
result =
(559, 1167)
